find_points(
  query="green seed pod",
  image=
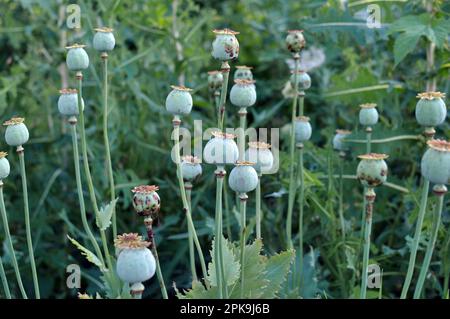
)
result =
(243, 72)
(295, 41)
(104, 39)
(372, 169)
(135, 262)
(303, 129)
(215, 80)
(338, 143)
(303, 80)
(221, 149)
(190, 168)
(260, 154)
(431, 109)
(368, 114)
(225, 46)
(16, 132)
(435, 164)
(243, 93)
(68, 102)
(179, 100)
(243, 177)
(4, 166)
(77, 59)
(146, 201)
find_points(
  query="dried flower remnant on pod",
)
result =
(16, 132)
(130, 241)
(146, 200)
(431, 110)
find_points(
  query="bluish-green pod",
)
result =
(4, 166)
(295, 41)
(190, 168)
(431, 109)
(243, 178)
(435, 164)
(179, 101)
(243, 93)
(338, 143)
(68, 102)
(16, 133)
(368, 114)
(260, 154)
(243, 72)
(303, 80)
(303, 129)
(215, 80)
(221, 149)
(135, 265)
(104, 40)
(225, 46)
(77, 59)
(372, 170)
(146, 201)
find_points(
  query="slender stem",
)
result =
(341, 197)
(242, 125)
(4, 280)
(301, 103)
(10, 244)
(430, 246)
(76, 158)
(368, 210)
(292, 180)
(301, 204)
(112, 189)
(227, 210)
(217, 102)
(223, 94)
(218, 235)
(188, 188)
(23, 174)
(386, 140)
(258, 208)
(243, 206)
(87, 172)
(184, 200)
(415, 243)
(368, 140)
(158, 272)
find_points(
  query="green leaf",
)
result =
(276, 271)
(105, 214)
(198, 291)
(230, 261)
(90, 256)
(404, 44)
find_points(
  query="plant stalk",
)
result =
(242, 125)
(225, 69)
(301, 204)
(188, 188)
(341, 194)
(218, 259)
(258, 207)
(4, 280)
(368, 211)
(243, 205)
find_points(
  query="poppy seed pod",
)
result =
(104, 40)
(179, 100)
(4, 166)
(146, 200)
(372, 169)
(225, 46)
(215, 80)
(190, 167)
(303, 80)
(295, 41)
(303, 129)
(430, 109)
(260, 154)
(243, 93)
(243, 72)
(368, 114)
(243, 177)
(68, 102)
(135, 262)
(77, 59)
(435, 164)
(16, 132)
(221, 149)
(338, 143)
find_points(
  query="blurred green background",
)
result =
(162, 42)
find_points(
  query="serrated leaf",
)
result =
(90, 256)
(198, 291)
(230, 261)
(277, 268)
(404, 44)
(105, 215)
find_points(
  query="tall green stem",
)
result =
(87, 172)
(10, 244)
(431, 242)
(242, 125)
(258, 207)
(218, 235)
(301, 204)
(76, 159)
(243, 206)
(23, 174)
(4, 280)
(341, 195)
(368, 211)
(292, 180)
(188, 188)
(223, 94)
(112, 189)
(158, 272)
(415, 243)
